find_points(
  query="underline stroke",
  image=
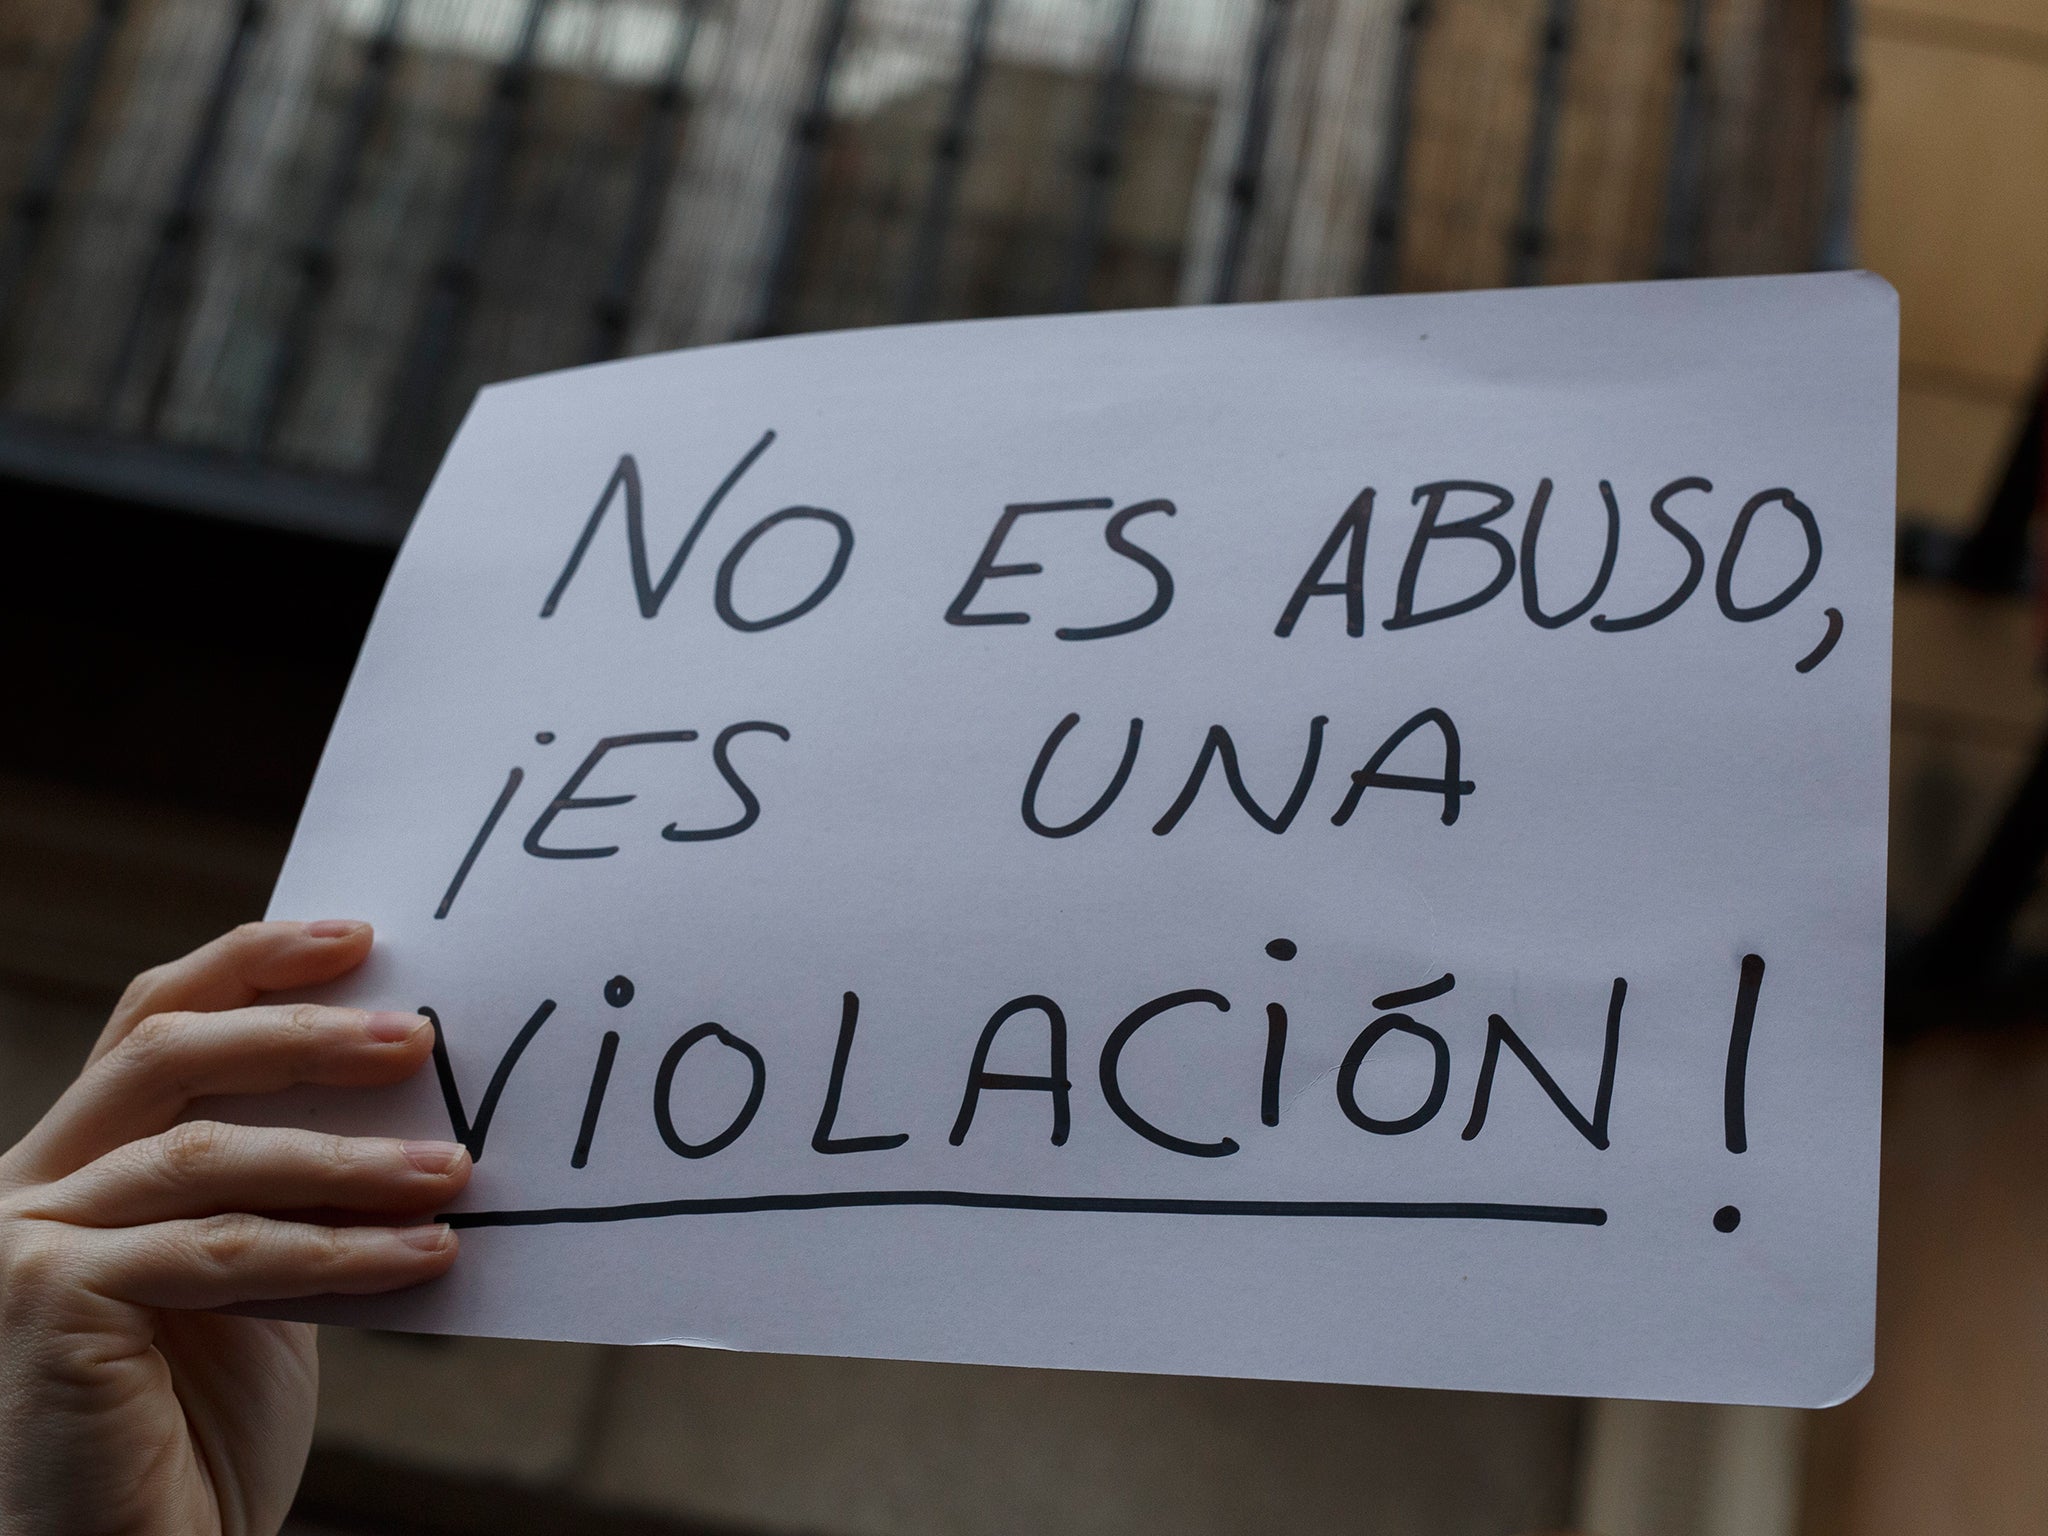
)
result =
(824, 1200)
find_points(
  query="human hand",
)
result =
(126, 1409)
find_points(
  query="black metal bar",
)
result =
(1099, 164)
(1383, 239)
(313, 263)
(1994, 557)
(949, 155)
(131, 471)
(51, 160)
(799, 186)
(1531, 229)
(1678, 249)
(170, 263)
(451, 291)
(1251, 150)
(1835, 248)
(1972, 937)
(653, 169)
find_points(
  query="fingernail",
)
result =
(433, 1156)
(335, 928)
(391, 1028)
(434, 1239)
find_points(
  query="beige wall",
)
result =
(1948, 1438)
(1954, 211)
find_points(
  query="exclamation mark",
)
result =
(1735, 1089)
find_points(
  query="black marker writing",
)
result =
(1695, 560)
(1435, 527)
(569, 799)
(1532, 605)
(750, 804)
(1053, 1082)
(1724, 577)
(1395, 1016)
(1372, 1034)
(1349, 535)
(822, 1139)
(998, 1200)
(664, 1087)
(1282, 950)
(1432, 529)
(476, 846)
(1354, 1059)
(566, 799)
(1112, 1087)
(1498, 1033)
(986, 569)
(593, 1103)
(728, 568)
(1217, 744)
(1373, 774)
(1103, 802)
(471, 1133)
(1162, 578)
(618, 992)
(1819, 653)
(649, 592)
(1735, 1090)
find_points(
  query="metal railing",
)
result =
(257, 257)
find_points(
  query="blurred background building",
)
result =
(257, 255)
(268, 251)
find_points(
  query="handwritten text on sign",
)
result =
(1339, 840)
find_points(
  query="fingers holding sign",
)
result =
(147, 1080)
(121, 1405)
(237, 968)
(202, 1169)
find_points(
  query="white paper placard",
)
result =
(1414, 766)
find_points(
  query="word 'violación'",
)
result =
(1042, 1018)
(1041, 1011)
